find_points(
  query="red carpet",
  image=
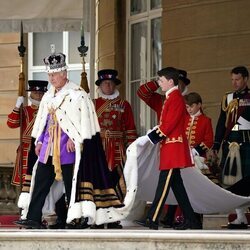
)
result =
(7, 220)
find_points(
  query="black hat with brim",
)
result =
(107, 74)
(183, 76)
(37, 85)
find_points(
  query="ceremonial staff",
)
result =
(83, 52)
(21, 92)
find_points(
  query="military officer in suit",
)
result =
(233, 135)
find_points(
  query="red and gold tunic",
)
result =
(118, 129)
(28, 118)
(199, 132)
(174, 148)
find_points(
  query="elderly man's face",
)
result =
(107, 87)
(58, 79)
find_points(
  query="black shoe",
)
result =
(84, 223)
(29, 224)
(167, 223)
(114, 225)
(59, 225)
(72, 225)
(188, 225)
(97, 226)
(237, 226)
(147, 223)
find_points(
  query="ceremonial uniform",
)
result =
(199, 132)
(28, 118)
(148, 93)
(117, 128)
(233, 132)
(174, 155)
(117, 125)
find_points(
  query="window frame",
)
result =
(147, 115)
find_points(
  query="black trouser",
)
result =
(44, 178)
(171, 178)
(61, 209)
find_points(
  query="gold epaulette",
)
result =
(230, 108)
(224, 103)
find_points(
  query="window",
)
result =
(144, 55)
(65, 42)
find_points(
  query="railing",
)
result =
(8, 192)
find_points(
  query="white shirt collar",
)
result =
(196, 114)
(171, 90)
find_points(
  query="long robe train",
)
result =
(95, 194)
(205, 196)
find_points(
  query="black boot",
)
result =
(84, 223)
(147, 223)
(29, 224)
(114, 225)
(189, 225)
(58, 225)
(97, 226)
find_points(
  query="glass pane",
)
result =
(74, 43)
(155, 4)
(138, 50)
(41, 45)
(40, 76)
(156, 51)
(137, 6)
(75, 76)
(136, 107)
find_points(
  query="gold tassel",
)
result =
(84, 82)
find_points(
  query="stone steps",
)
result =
(126, 239)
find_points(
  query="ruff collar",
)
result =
(109, 97)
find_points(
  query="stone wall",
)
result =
(9, 138)
(111, 37)
(207, 38)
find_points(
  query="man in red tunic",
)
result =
(118, 129)
(37, 89)
(171, 134)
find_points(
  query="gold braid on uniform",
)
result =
(231, 108)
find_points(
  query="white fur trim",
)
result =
(23, 200)
(86, 209)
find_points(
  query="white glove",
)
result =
(141, 141)
(200, 162)
(19, 101)
(194, 152)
